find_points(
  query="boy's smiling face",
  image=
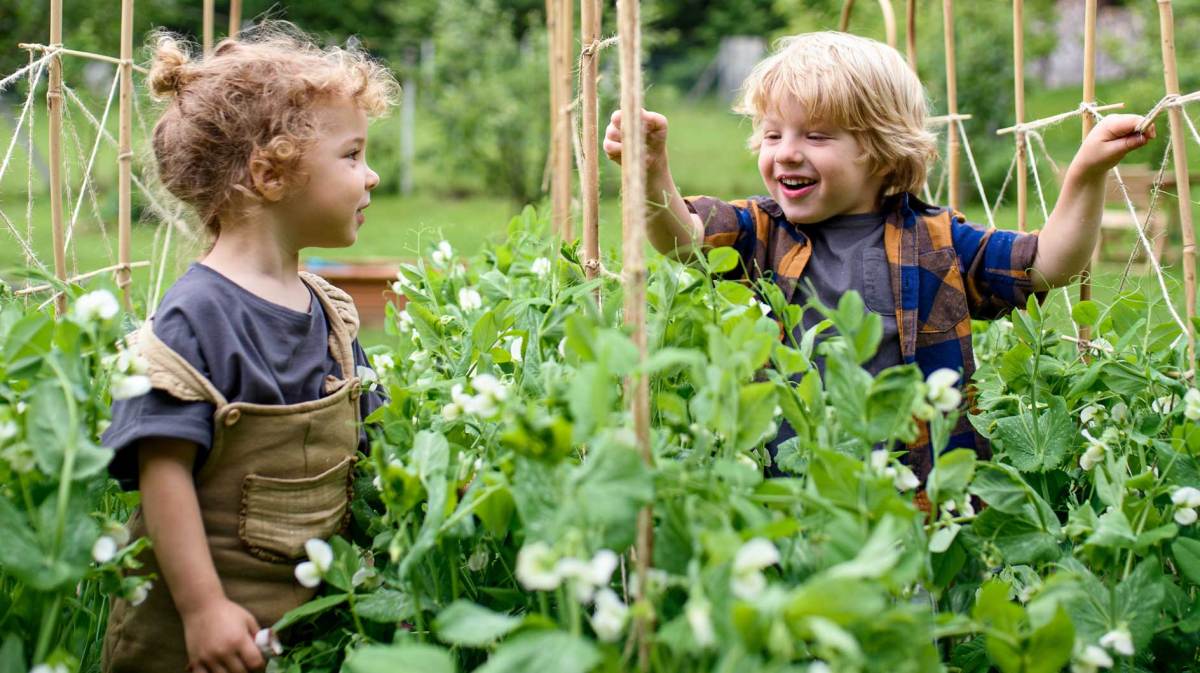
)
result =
(813, 169)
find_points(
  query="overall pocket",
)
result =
(279, 515)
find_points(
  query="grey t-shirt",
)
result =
(848, 254)
(252, 350)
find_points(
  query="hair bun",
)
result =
(170, 70)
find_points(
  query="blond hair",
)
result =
(252, 98)
(853, 82)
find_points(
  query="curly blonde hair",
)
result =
(253, 98)
(859, 84)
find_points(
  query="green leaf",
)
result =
(1085, 313)
(756, 409)
(1041, 448)
(410, 658)
(721, 260)
(610, 487)
(309, 609)
(1049, 648)
(1137, 602)
(386, 606)
(1019, 538)
(495, 507)
(1187, 557)
(1113, 532)
(465, 623)
(941, 540)
(431, 455)
(951, 474)
(545, 652)
(994, 609)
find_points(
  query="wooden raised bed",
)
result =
(368, 281)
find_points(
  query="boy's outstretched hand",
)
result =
(654, 126)
(1109, 142)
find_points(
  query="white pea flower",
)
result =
(268, 643)
(361, 575)
(609, 618)
(1191, 402)
(699, 617)
(748, 581)
(104, 549)
(1186, 500)
(1090, 414)
(943, 392)
(96, 306)
(320, 557)
(129, 361)
(478, 561)
(1095, 451)
(904, 479)
(819, 667)
(366, 376)
(383, 362)
(514, 348)
(1091, 659)
(139, 593)
(469, 299)
(126, 387)
(562, 347)
(764, 308)
(536, 567)
(1164, 404)
(540, 267)
(1185, 516)
(8, 430)
(684, 278)
(879, 461)
(47, 668)
(1119, 641)
(443, 254)
(404, 321)
(451, 411)
(1119, 411)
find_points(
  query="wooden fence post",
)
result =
(910, 22)
(1166, 21)
(952, 158)
(235, 17)
(208, 27)
(1019, 85)
(54, 103)
(1089, 97)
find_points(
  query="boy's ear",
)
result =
(265, 177)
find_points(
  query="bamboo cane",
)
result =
(552, 40)
(125, 153)
(589, 31)
(565, 56)
(54, 102)
(952, 141)
(208, 27)
(1166, 22)
(235, 17)
(633, 211)
(910, 19)
(889, 19)
(1089, 96)
(1019, 84)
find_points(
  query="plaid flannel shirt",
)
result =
(944, 272)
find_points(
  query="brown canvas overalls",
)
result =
(276, 476)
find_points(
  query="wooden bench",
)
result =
(1116, 218)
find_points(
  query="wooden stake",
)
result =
(235, 17)
(563, 161)
(208, 27)
(1166, 22)
(910, 18)
(54, 102)
(889, 19)
(633, 216)
(1089, 96)
(125, 153)
(589, 32)
(952, 158)
(1019, 84)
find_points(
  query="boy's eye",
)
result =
(353, 154)
(818, 136)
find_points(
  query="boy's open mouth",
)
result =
(794, 187)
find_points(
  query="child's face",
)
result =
(327, 210)
(813, 169)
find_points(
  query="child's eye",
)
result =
(353, 154)
(818, 136)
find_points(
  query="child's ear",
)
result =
(265, 177)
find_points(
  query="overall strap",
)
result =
(170, 372)
(343, 320)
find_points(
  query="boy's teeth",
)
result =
(795, 183)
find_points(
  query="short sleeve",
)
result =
(727, 225)
(995, 265)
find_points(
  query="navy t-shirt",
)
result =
(251, 349)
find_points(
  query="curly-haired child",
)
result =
(244, 449)
(839, 128)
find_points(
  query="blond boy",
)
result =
(839, 128)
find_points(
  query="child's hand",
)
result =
(1108, 143)
(654, 126)
(220, 637)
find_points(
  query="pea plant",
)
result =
(494, 519)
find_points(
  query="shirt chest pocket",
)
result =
(942, 300)
(877, 282)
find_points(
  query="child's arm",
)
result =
(672, 229)
(219, 632)
(1066, 242)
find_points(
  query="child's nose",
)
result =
(790, 152)
(372, 179)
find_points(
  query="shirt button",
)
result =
(233, 417)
